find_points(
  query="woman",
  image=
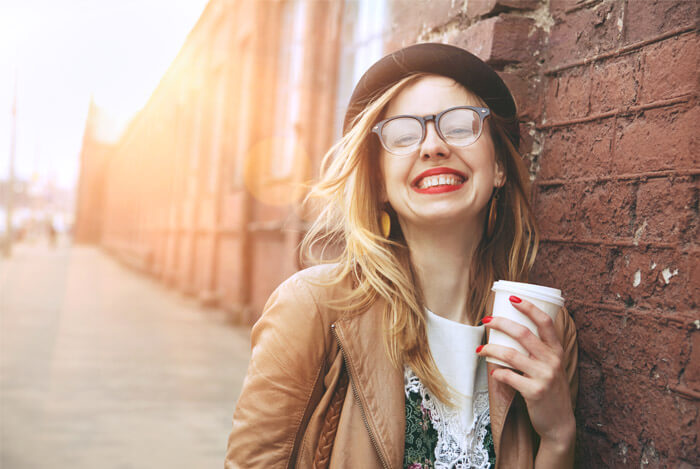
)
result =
(377, 360)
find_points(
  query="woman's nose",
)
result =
(433, 146)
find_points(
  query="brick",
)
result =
(585, 32)
(555, 211)
(653, 278)
(489, 7)
(650, 279)
(614, 83)
(581, 272)
(648, 18)
(500, 40)
(526, 94)
(411, 18)
(568, 95)
(605, 210)
(666, 211)
(577, 151)
(670, 68)
(622, 341)
(559, 8)
(601, 210)
(691, 377)
(658, 139)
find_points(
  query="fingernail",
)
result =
(492, 372)
(514, 299)
(478, 349)
(486, 319)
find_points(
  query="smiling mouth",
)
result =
(439, 180)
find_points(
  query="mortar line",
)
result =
(619, 112)
(621, 177)
(685, 391)
(585, 4)
(609, 243)
(621, 50)
(684, 318)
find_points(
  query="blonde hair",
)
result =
(350, 189)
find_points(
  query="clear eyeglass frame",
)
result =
(481, 112)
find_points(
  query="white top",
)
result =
(461, 431)
(453, 346)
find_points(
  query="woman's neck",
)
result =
(441, 257)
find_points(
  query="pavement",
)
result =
(102, 367)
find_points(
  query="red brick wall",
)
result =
(616, 196)
(607, 92)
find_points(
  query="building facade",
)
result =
(203, 189)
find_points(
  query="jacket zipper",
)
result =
(357, 399)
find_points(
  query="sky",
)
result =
(60, 54)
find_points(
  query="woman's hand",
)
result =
(543, 382)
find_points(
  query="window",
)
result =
(289, 88)
(362, 44)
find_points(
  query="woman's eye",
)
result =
(459, 132)
(405, 140)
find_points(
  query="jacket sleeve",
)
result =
(288, 350)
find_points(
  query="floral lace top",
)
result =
(441, 436)
(435, 437)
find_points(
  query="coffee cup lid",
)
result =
(551, 295)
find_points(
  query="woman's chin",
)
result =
(444, 217)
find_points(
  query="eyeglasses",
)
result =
(459, 126)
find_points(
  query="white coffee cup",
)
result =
(547, 299)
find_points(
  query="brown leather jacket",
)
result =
(290, 395)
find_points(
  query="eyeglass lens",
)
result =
(459, 127)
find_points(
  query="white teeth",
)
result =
(440, 180)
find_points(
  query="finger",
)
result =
(544, 323)
(522, 334)
(528, 387)
(509, 355)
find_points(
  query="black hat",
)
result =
(441, 59)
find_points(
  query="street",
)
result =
(105, 368)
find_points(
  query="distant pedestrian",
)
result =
(377, 359)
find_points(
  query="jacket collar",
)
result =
(379, 386)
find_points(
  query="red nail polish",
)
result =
(486, 319)
(478, 349)
(492, 372)
(514, 299)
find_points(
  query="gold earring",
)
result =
(385, 223)
(493, 213)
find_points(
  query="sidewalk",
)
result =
(103, 368)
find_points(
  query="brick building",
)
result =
(101, 133)
(202, 189)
